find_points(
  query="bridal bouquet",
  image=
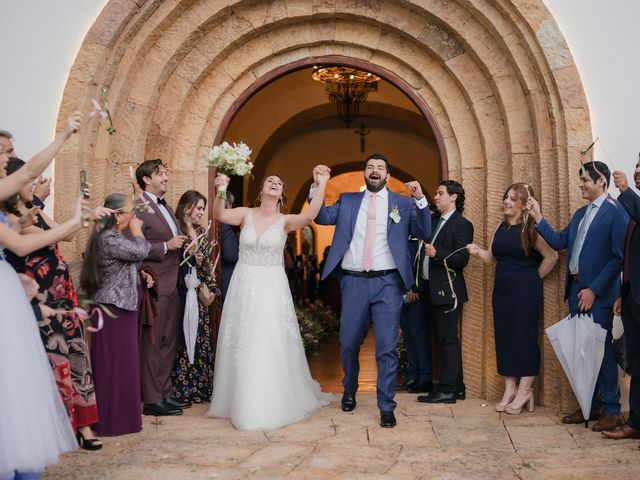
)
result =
(229, 160)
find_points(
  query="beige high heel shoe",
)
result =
(502, 404)
(528, 400)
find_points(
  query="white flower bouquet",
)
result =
(229, 160)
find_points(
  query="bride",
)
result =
(262, 379)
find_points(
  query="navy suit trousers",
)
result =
(375, 300)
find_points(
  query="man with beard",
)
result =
(369, 253)
(628, 305)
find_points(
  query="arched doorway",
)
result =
(497, 77)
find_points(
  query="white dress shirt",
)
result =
(425, 264)
(597, 203)
(382, 259)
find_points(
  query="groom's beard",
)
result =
(375, 188)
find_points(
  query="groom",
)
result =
(369, 254)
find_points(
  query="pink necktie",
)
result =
(370, 235)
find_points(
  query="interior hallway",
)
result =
(326, 368)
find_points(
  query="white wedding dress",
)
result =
(262, 379)
(34, 425)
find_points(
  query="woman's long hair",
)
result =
(528, 233)
(281, 205)
(187, 201)
(11, 203)
(90, 276)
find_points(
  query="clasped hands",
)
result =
(321, 174)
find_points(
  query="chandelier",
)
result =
(346, 87)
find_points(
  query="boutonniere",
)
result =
(395, 214)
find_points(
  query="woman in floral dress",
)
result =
(193, 382)
(62, 334)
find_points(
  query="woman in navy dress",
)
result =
(522, 259)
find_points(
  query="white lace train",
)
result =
(262, 379)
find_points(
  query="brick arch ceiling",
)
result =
(497, 76)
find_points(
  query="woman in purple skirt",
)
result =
(110, 276)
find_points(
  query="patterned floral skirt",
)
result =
(63, 334)
(194, 382)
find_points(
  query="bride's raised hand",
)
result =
(221, 182)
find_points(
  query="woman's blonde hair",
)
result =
(528, 233)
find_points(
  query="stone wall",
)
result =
(496, 76)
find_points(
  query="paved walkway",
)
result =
(465, 440)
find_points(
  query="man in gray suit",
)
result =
(158, 351)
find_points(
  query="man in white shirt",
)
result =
(594, 240)
(369, 253)
(443, 288)
(158, 346)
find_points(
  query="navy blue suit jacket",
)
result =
(229, 254)
(343, 214)
(631, 203)
(600, 261)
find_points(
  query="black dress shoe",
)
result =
(422, 387)
(161, 409)
(348, 402)
(438, 397)
(461, 395)
(406, 385)
(177, 403)
(387, 419)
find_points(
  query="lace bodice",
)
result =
(266, 249)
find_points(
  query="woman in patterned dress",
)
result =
(193, 382)
(62, 334)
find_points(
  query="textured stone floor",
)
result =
(466, 440)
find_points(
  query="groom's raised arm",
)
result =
(420, 217)
(420, 223)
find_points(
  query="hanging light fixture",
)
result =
(346, 87)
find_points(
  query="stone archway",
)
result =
(496, 75)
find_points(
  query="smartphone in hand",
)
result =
(84, 186)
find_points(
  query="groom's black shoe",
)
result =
(161, 409)
(348, 402)
(387, 419)
(438, 397)
(177, 403)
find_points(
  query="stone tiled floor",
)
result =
(465, 440)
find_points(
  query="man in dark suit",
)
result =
(452, 232)
(161, 229)
(628, 305)
(594, 240)
(230, 249)
(370, 252)
(413, 322)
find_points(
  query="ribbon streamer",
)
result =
(196, 243)
(454, 297)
